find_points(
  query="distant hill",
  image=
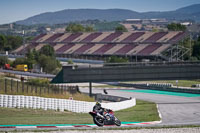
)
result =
(69, 15)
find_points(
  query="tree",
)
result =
(3, 42)
(13, 42)
(196, 49)
(89, 29)
(48, 63)
(47, 50)
(74, 28)
(176, 27)
(121, 28)
(19, 61)
(187, 43)
(3, 60)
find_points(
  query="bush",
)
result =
(38, 82)
(3, 60)
(115, 59)
(70, 62)
(48, 63)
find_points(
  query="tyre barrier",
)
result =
(20, 101)
(166, 85)
(196, 85)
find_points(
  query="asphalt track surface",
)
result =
(175, 109)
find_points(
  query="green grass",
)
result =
(183, 83)
(143, 111)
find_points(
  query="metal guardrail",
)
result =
(151, 64)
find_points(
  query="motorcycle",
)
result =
(107, 118)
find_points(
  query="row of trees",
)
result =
(8, 43)
(196, 50)
(176, 27)
(74, 28)
(45, 58)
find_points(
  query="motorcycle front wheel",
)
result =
(98, 121)
(117, 122)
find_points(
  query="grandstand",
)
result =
(100, 45)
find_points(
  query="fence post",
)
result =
(23, 86)
(62, 89)
(32, 88)
(17, 86)
(40, 90)
(36, 89)
(27, 88)
(5, 86)
(48, 88)
(11, 85)
(44, 89)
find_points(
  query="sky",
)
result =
(14, 10)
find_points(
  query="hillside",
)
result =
(69, 15)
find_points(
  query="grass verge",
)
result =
(143, 111)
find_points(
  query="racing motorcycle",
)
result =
(108, 118)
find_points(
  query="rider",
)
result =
(97, 108)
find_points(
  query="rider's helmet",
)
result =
(98, 104)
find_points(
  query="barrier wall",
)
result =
(20, 101)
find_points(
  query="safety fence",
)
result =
(34, 102)
(10, 87)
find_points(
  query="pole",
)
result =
(190, 46)
(5, 86)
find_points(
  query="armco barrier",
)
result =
(20, 101)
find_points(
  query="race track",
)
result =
(175, 109)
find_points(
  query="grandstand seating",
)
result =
(178, 37)
(114, 49)
(106, 43)
(72, 37)
(38, 47)
(73, 49)
(42, 39)
(30, 46)
(103, 49)
(93, 49)
(57, 46)
(111, 37)
(133, 37)
(64, 48)
(63, 37)
(137, 49)
(83, 48)
(38, 37)
(155, 37)
(91, 37)
(144, 37)
(54, 37)
(149, 49)
(123, 36)
(161, 49)
(125, 49)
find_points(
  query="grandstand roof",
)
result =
(111, 37)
